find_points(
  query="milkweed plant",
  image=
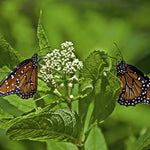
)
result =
(73, 98)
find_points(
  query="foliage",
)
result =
(65, 124)
(90, 25)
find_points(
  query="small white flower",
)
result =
(66, 45)
(60, 62)
(62, 84)
(48, 55)
(43, 67)
(53, 82)
(79, 65)
(105, 74)
(74, 78)
(50, 76)
(72, 55)
(71, 96)
(70, 48)
(42, 71)
(63, 52)
(70, 85)
(59, 68)
(56, 76)
(57, 92)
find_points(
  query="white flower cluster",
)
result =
(60, 62)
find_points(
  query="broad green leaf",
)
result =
(50, 107)
(99, 87)
(43, 86)
(131, 138)
(95, 63)
(58, 125)
(5, 123)
(106, 93)
(95, 140)
(44, 95)
(4, 70)
(9, 108)
(24, 105)
(4, 114)
(46, 98)
(86, 86)
(143, 142)
(93, 66)
(43, 41)
(8, 56)
(60, 146)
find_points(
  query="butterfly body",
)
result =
(22, 80)
(135, 85)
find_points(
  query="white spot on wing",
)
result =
(12, 76)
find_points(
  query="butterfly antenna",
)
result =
(118, 50)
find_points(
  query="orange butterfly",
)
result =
(135, 85)
(22, 80)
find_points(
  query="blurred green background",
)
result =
(90, 25)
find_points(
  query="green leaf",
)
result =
(44, 96)
(101, 86)
(4, 123)
(95, 63)
(93, 67)
(58, 125)
(9, 108)
(143, 142)
(43, 41)
(106, 93)
(4, 114)
(43, 86)
(86, 86)
(8, 55)
(22, 105)
(95, 140)
(60, 146)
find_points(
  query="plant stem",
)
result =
(81, 147)
(69, 105)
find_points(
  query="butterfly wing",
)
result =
(134, 87)
(26, 83)
(7, 85)
(22, 80)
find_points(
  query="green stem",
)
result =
(69, 105)
(67, 99)
(81, 147)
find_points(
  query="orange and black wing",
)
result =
(135, 87)
(22, 80)
(26, 82)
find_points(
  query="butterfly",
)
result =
(135, 85)
(22, 80)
